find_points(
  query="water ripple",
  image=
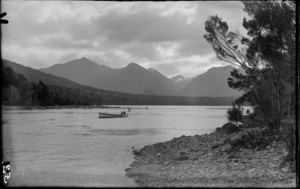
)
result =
(125, 132)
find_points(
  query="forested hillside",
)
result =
(18, 90)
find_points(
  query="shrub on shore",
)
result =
(234, 114)
(254, 139)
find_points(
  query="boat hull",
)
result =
(106, 115)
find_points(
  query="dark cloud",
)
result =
(194, 47)
(143, 26)
(141, 50)
(167, 36)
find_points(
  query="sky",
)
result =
(166, 36)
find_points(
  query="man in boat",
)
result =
(123, 112)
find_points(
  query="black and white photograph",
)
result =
(149, 94)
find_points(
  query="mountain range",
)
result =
(137, 80)
(23, 84)
(212, 83)
(181, 81)
(35, 76)
(80, 71)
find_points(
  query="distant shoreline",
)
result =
(8, 107)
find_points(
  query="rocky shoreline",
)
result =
(217, 159)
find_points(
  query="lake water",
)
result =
(73, 147)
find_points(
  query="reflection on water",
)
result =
(67, 126)
(119, 132)
(116, 132)
(73, 147)
(218, 108)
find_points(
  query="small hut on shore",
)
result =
(246, 108)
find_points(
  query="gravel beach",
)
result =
(211, 160)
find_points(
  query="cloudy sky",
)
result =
(167, 36)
